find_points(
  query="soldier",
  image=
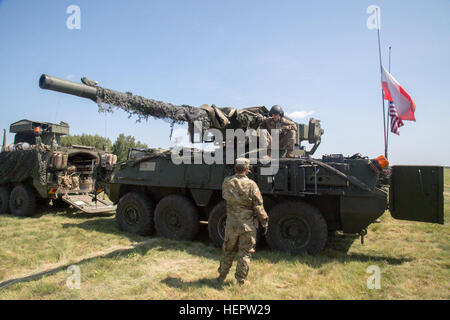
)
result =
(288, 130)
(244, 213)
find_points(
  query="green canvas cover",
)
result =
(17, 166)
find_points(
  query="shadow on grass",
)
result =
(336, 250)
(198, 284)
(198, 248)
(42, 210)
(105, 224)
(60, 208)
(140, 248)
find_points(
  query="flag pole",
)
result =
(387, 131)
(382, 93)
(389, 59)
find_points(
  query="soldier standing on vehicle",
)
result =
(245, 211)
(288, 130)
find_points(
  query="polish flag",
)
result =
(401, 105)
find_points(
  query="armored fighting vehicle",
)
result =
(305, 198)
(35, 167)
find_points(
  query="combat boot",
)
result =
(243, 283)
(221, 279)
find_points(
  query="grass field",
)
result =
(414, 259)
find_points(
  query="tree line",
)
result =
(119, 147)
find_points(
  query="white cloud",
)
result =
(299, 114)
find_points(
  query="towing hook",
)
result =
(362, 234)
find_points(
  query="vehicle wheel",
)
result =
(22, 201)
(4, 199)
(216, 223)
(135, 214)
(176, 217)
(297, 227)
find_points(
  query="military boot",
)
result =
(221, 278)
(243, 283)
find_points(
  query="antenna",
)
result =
(4, 140)
(387, 120)
(382, 92)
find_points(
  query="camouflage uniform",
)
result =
(288, 130)
(244, 210)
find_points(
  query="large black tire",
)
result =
(297, 227)
(134, 214)
(22, 201)
(4, 199)
(216, 224)
(176, 217)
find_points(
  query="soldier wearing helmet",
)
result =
(288, 130)
(245, 211)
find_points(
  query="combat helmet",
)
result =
(276, 109)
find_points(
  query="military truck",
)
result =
(305, 198)
(35, 167)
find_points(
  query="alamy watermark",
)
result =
(74, 20)
(374, 20)
(374, 280)
(256, 145)
(74, 280)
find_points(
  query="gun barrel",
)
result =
(69, 87)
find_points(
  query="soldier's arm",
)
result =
(225, 189)
(289, 125)
(258, 206)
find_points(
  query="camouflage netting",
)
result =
(152, 153)
(209, 116)
(17, 166)
(251, 117)
(144, 108)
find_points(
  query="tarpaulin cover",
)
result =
(17, 166)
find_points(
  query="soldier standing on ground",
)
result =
(288, 130)
(245, 211)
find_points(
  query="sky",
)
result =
(314, 58)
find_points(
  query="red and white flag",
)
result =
(401, 105)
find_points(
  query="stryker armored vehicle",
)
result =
(36, 167)
(305, 198)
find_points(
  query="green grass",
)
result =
(414, 259)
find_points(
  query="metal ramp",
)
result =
(86, 203)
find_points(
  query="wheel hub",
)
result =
(172, 220)
(295, 231)
(131, 216)
(18, 202)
